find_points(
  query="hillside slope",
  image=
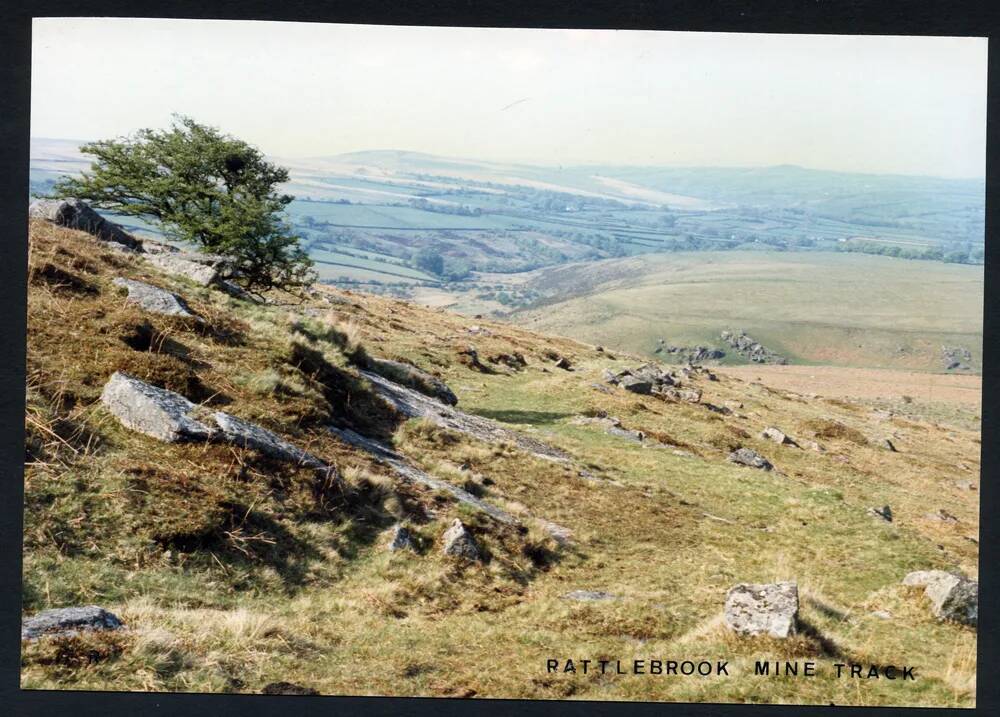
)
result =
(234, 571)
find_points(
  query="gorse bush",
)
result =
(203, 187)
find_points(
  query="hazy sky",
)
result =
(874, 104)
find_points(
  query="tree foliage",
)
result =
(204, 187)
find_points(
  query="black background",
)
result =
(917, 17)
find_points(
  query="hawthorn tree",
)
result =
(203, 187)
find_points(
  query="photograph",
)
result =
(503, 363)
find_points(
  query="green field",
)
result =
(815, 307)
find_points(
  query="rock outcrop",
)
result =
(750, 458)
(751, 348)
(67, 621)
(171, 418)
(249, 435)
(77, 214)
(153, 298)
(156, 412)
(458, 542)
(756, 609)
(414, 378)
(186, 266)
(952, 596)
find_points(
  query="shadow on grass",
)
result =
(535, 418)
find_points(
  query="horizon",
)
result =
(595, 164)
(889, 105)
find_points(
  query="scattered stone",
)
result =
(952, 595)
(589, 595)
(77, 214)
(512, 360)
(689, 354)
(956, 358)
(600, 387)
(733, 405)
(750, 458)
(67, 621)
(248, 435)
(401, 538)
(564, 363)
(153, 411)
(414, 378)
(479, 331)
(887, 444)
(942, 516)
(814, 446)
(754, 609)
(965, 485)
(690, 395)
(458, 542)
(882, 614)
(470, 357)
(559, 533)
(885, 513)
(153, 298)
(773, 434)
(751, 349)
(288, 688)
(154, 247)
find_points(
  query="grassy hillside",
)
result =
(821, 308)
(232, 571)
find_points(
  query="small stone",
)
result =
(67, 621)
(965, 485)
(750, 458)
(882, 614)
(754, 609)
(589, 595)
(564, 363)
(888, 445)
(401, 539)
(942, 516)
(885, 513)
(773, 434)
(458, 542)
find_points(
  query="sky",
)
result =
(901, 105)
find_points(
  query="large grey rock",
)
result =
(458, 542)
(153, 298)
(185, 266)
(66, 621)
(77, 214)
(952, 596)
(154, 411)
(755, 609)
(249, 435)
(414, 378)
(636, 385)
(751, 458)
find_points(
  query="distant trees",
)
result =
(203, 187)
(429, 260)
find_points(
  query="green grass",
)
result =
(297, 586)
(822, 308)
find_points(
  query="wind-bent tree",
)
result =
(204, 187)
